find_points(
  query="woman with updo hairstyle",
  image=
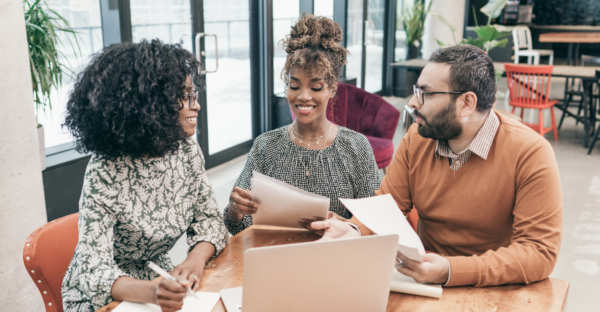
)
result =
(312, 153)
(134, 108)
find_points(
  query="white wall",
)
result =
(454, 12)
(22, 207)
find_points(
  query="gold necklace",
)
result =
(295, 133)
(316, 158)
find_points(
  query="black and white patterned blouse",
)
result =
(133, 210)
(345, 169)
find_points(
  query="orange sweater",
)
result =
(499, 220)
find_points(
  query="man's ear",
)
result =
(468, 104)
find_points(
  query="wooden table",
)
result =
(586, 74)
(226, 271)
(571, 38)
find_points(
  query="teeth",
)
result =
(305, 108)
(190, 119)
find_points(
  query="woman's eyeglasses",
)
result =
(420, 94)
(191, 97)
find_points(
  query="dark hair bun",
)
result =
(314, 45)
(314, 32)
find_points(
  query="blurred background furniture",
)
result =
(368, 114)
(572, 38)
(47, 254)
(529, 87)
(522, 40)
(597, 110)
(572, 89)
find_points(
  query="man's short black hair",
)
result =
(471, 69)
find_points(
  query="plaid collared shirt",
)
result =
(480, 145)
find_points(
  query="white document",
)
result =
(232, 299)
(205, 303)
(281, 204)
(404, 284)
(382, 215)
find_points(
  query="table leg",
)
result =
(576, 59)
(587, 102)
(570, 53)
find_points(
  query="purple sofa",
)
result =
(368, 114)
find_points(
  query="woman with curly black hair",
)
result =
(134, 107)
(312, 153)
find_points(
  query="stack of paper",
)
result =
(205, 303)
(281, 204)
(382, 216)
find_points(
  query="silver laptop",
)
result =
(341, 275)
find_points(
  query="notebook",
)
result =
(281, 204)
(205, 303)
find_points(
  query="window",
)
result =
(324, 8)
(83, 17)
(400, 36)
(285, 15)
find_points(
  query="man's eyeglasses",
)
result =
(191, 97)
(420, 94)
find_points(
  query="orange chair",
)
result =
(529, 87)
(47, 254)
(413, 218)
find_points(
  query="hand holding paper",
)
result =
(281, 204)
(382, 215)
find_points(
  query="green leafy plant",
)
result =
(413, 21)
(488, 36)
(43, 26)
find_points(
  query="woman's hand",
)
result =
(169, 295)
(192, 268)
(241, 204)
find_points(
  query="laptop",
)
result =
(340, 275)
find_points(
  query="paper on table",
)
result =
(382, 215)
(205, 303)
(281, 204)
(404, 284)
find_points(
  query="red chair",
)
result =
(47, 254)
(368, 114)
(413, 218)
(529, 87)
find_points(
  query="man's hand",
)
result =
(306, 223)
(335, 229)
(433, 269)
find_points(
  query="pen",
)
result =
(168, 276)
(399, 265)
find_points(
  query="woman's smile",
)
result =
(305, 109)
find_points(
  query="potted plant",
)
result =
(43, 26)
(488, 36)
(413, 21)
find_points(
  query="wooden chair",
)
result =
(522, 40)
(47, 254)
(572, 90)
(529, 88)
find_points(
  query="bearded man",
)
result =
(486, 187)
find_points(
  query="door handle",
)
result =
(200, 53)
(367, 23)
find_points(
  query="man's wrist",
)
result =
(449, 272)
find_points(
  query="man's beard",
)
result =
(442, 126)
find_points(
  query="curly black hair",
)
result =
(126, 102)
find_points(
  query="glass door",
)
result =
(364, 35)
(221, 39)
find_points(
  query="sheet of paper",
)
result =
(407, 285)
(205, 303)
(382, 215)
(281, 204)
(232, 298)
